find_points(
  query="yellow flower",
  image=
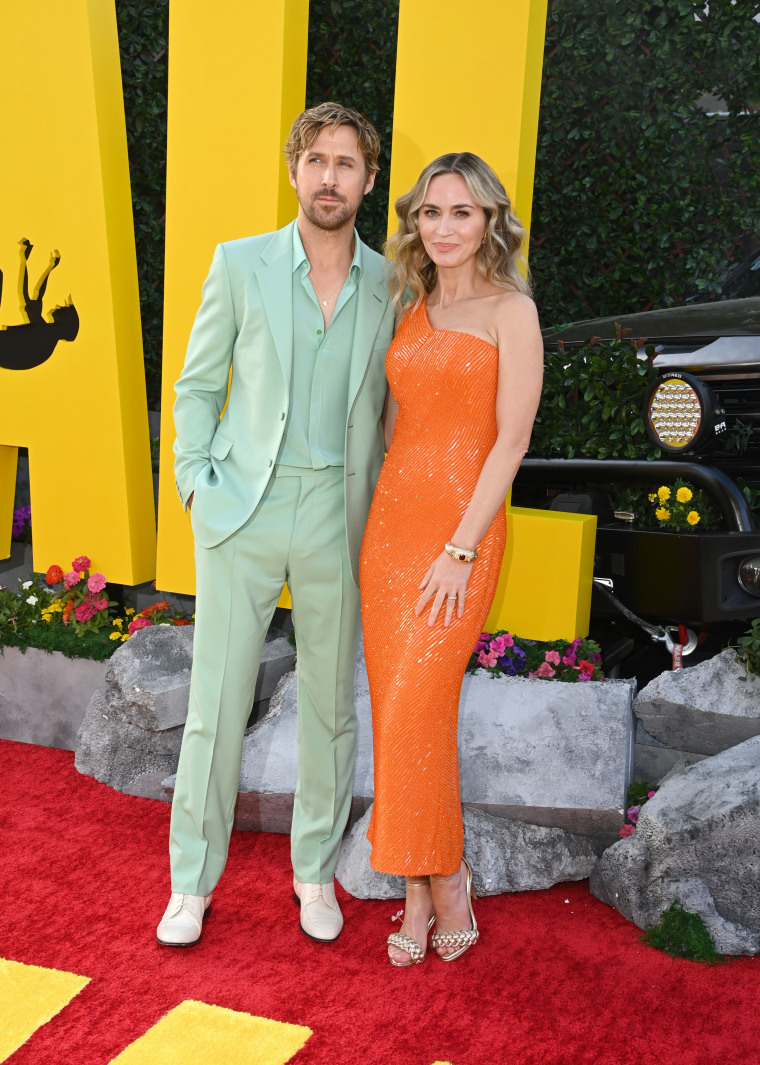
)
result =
(683, 495)
(46, 615)
(129, 611)
(652, 497)
(662, 514)
(115, 636)
(119, 623)
(692, 517)
(55, 607)
(663, 492)
(125, 636)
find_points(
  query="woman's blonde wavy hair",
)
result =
(498, 258)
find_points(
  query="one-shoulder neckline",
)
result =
(454, 332)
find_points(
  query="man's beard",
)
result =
(329, 218)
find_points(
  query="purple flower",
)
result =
(651, 794)
(632, 813)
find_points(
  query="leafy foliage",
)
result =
(641, 197)
(639, 792)
(352, 59)
(748, 649)
(683, 935)
(595, 398)
(143, 36)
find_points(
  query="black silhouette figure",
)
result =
(25, 346)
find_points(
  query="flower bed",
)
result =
(500, 654)
(71, 612)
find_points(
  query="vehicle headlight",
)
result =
(749, 575)
(681, 414)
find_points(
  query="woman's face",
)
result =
(451, 224)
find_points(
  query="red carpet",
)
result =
(557, 977)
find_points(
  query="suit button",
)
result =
(270, 462)
(282, 416)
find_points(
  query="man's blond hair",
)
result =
(329, 115)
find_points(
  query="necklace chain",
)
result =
(320, 296)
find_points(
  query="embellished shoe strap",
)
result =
(454, 939)
(411, 946)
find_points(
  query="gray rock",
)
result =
(505, 856)
(703, 709)
(44, 696)
(654, 764)
(554, 754)
(148, 680)
(698, 841)
(129, 758)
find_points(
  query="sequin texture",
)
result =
(445, 385)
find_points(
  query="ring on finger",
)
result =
(454, 597)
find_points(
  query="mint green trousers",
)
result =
(298, 534)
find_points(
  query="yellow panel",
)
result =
(64, 186)
(8, 459)
(197, 1034)
(232, 99)
(29, 997)
(544, 591)
(453, 95)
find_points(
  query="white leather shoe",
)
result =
(181, 924)
(320, 913)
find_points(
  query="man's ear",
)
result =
(370, 183)
(292, 176)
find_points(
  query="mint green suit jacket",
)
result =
(245, 322)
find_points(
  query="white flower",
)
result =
(26, 584)
(32, 599)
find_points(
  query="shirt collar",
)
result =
(300, 261)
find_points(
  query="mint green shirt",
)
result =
(315, 432)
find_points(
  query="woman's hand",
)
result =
(445, 583)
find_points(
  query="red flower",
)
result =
(54, 575)
(81, 563)
(182, 621)
(138, 623)
(626, 830)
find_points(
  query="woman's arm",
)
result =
(518, 393)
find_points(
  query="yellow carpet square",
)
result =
(29, 997)
(194, 1033)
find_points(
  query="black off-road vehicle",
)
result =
(701, 407)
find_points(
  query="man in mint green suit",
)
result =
(279, 487)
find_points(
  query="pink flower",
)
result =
(100, 603)
(84, 612)
(488, 660)
(81, 563)
(569, 660)
(97, 582)
(70, 579)
(544, 670)
(500, 643)
(626, 830)
(651, 794)
(632, 813)
(138, 623)
(553, 657)
(483, 641)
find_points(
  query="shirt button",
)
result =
(319, 332)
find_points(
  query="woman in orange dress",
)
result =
(465, 371)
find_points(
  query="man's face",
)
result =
(331, 178)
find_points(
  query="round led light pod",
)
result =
(749, 575)
(680, 413)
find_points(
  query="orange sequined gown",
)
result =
(445, 385)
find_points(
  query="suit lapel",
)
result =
(275, 279)
(371, 306)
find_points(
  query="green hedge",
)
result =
(641, 200)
